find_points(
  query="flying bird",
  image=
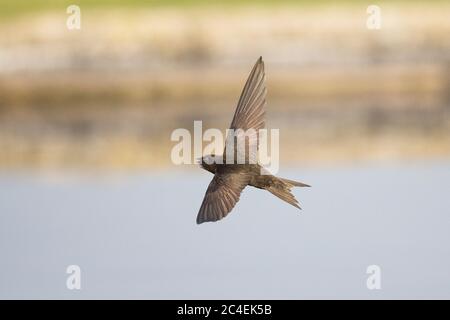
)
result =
(230, 179)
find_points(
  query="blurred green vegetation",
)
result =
(14, 8)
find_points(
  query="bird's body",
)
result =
(253, 174)
(231, 178)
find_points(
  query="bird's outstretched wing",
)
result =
(250, 112)
(250, 109)
(222, 195)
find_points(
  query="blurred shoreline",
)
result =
(110, 94)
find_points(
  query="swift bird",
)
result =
(230, 179)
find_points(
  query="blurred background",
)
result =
(109, 95)
(85, 123)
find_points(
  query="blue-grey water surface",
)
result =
(134, 236)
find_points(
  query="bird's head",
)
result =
(208, 162)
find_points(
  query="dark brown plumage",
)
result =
(230, 179)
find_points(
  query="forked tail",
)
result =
(295, 183)
(282, 189)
